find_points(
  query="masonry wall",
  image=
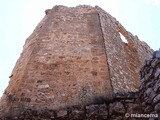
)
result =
(141, 105)
(124, 59)
(70, 63)
(15, 90)
(75, 56)
(66, 62)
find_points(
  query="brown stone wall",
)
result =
(108, 110)
(65, 61)
(17, 84)
(121, 77)
(71, 62)
(124, 59)
(74, 57)
(142, 105)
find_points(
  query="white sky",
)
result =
(20, 17)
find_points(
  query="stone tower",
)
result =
(74, 56)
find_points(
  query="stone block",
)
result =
(116, 108)
(43, 86)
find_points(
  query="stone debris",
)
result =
(150, 91)
(156, 54)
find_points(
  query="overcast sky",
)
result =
(20, 17)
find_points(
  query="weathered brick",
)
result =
(73, 56)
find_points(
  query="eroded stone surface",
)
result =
(124, 59)
(74, 57)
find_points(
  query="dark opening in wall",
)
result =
(123, 38)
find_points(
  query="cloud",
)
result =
(153, 2)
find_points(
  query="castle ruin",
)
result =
(74, 56)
